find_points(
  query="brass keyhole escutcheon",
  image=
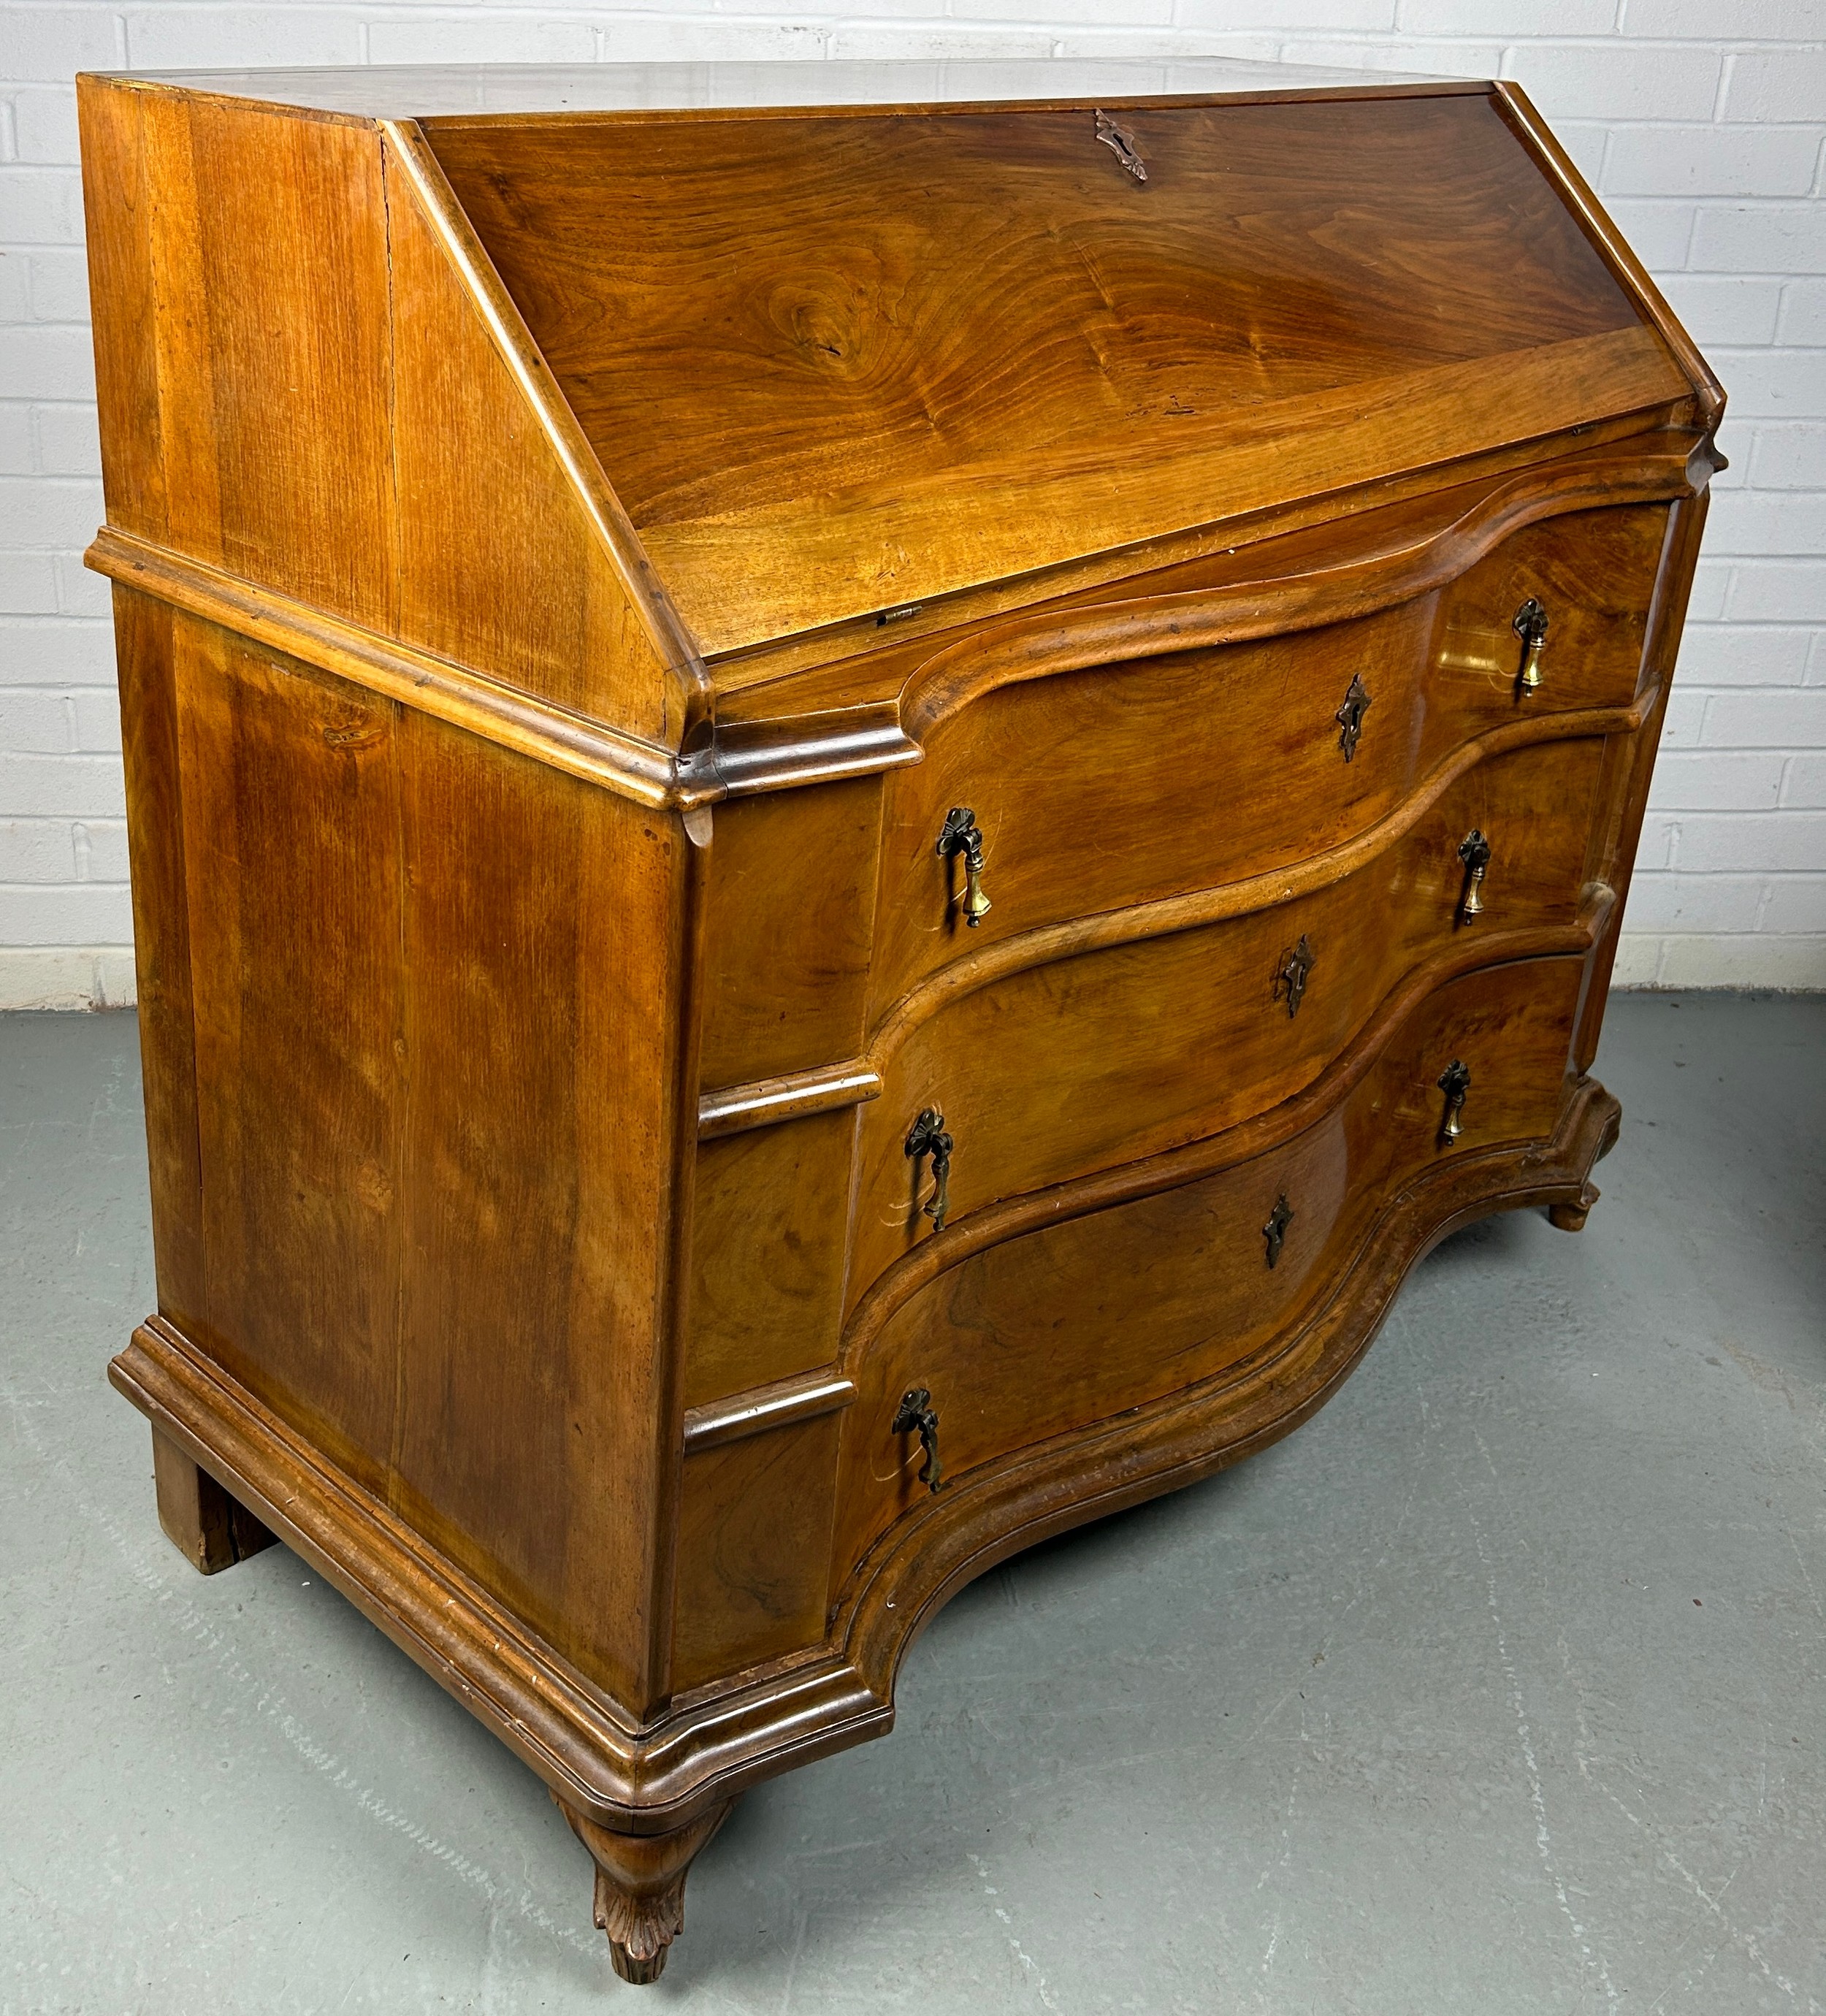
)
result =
(1296, 968)
(1530, 624)
(1474, 851)
(926, 1137)
(1455, 1082)
(960, 834)
(917, 1416)
(1120, 142)
(1350, 716)
(1275, 1230)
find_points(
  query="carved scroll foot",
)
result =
(1572, 1217)
(207, 1527)
(640, 1888)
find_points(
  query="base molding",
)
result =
(660, 1781)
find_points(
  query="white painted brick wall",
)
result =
(1700, 121)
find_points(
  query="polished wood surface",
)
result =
(977, 297)
(571, 567)
(1441, 670)
(1077, 1063)
(1042, 1334)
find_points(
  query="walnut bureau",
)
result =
(847, 823)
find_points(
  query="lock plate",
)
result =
(1349, 717)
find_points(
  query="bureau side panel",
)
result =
(539, 1430)
(117, 211)
(290, 835)
(439, 1052)
(259, 254)
(500, 567)
(161, 949)
(296, 386)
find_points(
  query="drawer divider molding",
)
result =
(782, 1404)
(793, 1095)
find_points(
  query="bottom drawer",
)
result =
(1067, 1325)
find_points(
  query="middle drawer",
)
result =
(1059, 1070)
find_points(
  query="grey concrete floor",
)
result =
(1501, 1686)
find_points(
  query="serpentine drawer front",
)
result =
(1043, 1332)
(820, 882)
(1096, 1057)
(1250, 729)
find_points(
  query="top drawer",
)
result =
(1119, 783)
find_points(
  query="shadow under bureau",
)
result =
(847, 823)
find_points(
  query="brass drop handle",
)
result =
(1350, 716)
(960, 834)
(1530, 624)
(1474, 851)
(1455, 1082)
(1275, 1230)
(926, 1137)
(1296, 968)
(917, 1416)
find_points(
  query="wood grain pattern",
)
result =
(118, 195)
(1355, 536)
(564, 584)
(275, 427)
(771, 1231)
(880, 268)
(533, 1010)
(792, 898)
(1036, 1336)
(291, 812)
(754, 1550)
(1081, 1063)
(161, 950)
(1251, 725)
(776, 569)
(502, 566)
(536, 1417)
